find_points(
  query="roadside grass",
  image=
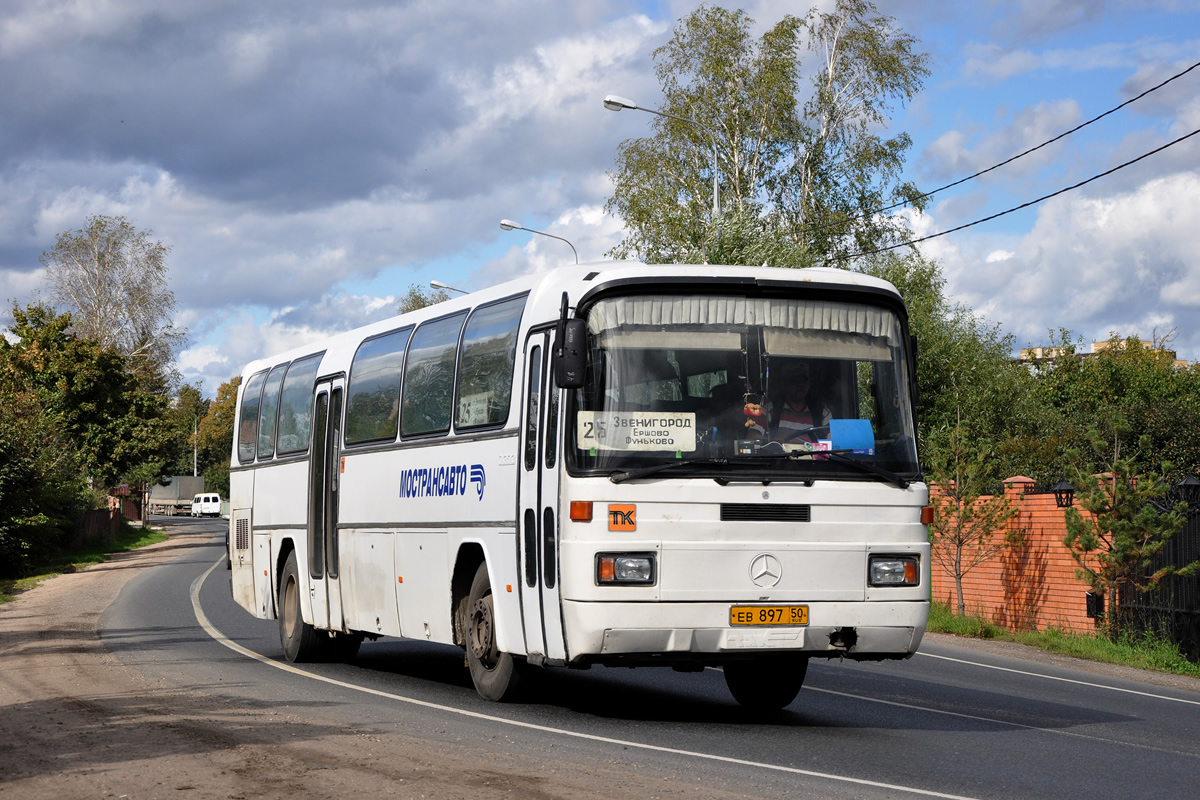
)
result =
(1140, 651)
(128, 538)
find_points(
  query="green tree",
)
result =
(70, 418)
(187, 408)
(968, 527)
(1115, 545)
(215, 437)
(1140, 384)
(84, 388)
(965, 369)
(814, 171)
(113, 278)
(42, 489)
(418, 297)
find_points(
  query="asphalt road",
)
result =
(950, 722)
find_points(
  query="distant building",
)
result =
(1030, 354)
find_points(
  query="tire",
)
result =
(301, 641)
(766, 684)
(494, 674)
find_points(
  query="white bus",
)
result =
(584, 467)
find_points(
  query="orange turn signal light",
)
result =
(607, 570)
(581, 510)
(927, 515)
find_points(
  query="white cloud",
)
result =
(1093, 265)
(959, 153)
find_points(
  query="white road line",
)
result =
(994, 721)
(1064, 680)
(202, 619)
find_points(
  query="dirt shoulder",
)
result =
(76, 722)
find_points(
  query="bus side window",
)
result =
(373, 407)
(295, 405)
(248, 418)
(533, 408)
(429, 377)
(485, 371)
(266, 417)
(552, 421)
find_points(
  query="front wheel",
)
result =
(301, 642)
(494, 673)
(766, 684)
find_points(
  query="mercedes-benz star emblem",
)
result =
(765, 570)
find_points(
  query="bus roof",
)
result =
(546, 289)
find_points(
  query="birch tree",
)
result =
(113, 279)
(797, 159)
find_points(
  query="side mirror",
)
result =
(571, 360)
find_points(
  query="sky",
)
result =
(307, 162)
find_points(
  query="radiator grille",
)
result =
(764, 512)
(242, 539)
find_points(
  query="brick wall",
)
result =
(1030, 584)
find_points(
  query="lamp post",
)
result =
(509, 225)
(447, 287)
(614, 103)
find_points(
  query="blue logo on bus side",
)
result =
(478, 478)
(442, 481)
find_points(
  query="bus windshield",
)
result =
(735, 387)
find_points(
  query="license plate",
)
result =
(768, 615)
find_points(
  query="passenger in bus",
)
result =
(801, 416)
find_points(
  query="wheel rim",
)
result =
(480, 632)
(290, 608)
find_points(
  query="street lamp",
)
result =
(440, 285)
(614, 103)
(509, 225)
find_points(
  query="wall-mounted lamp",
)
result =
(1188, 490)
(1064, 494)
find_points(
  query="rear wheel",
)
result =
(494, 673)
(766, 684)
(301, 642)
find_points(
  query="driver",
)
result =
(802, 415)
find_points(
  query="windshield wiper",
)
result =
(834, 455)
(642, 472)
(840, 457)
(865, 466)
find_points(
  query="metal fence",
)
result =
(1173, 610)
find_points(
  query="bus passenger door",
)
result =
(324, 477)
(538, 523)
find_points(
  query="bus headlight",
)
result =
(894, 571)
(624, 568)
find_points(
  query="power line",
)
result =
(1046, 143)
(1007, 161)
(1017, 208)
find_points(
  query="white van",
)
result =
(206, 505)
